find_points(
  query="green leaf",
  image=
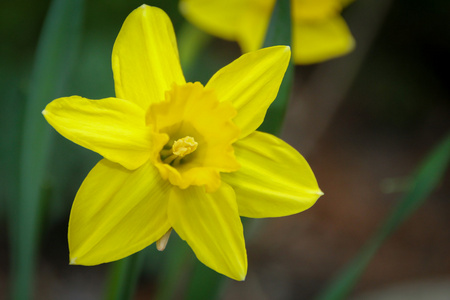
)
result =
(54, 60)
(178, 262)
(191, 42)
(124, 275)
(425, 180)
(279, 33)
(205, 283)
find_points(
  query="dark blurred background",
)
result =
(363, 122)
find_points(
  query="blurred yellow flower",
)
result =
(319, 32)
(179, 155)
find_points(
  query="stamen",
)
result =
(169, 159)
(184, 146)
(180, 149)
(166, 152)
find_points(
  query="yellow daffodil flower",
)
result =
(179, 155)
(319, 32)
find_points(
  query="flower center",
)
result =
(180, 149)
(196, 133)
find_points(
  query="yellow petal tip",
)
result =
(284, 48)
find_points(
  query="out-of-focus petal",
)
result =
(116, 213)
(254, 23)
(219, 18)
(315, 10)
(274, 180)
(314, 42)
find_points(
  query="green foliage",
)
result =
(27, 139)
(54, 61)
(279, 33)
(425, 180)
(124, 277)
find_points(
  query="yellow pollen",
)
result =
(180, 149)
(184, 146)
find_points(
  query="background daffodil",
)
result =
(179, 155)
(318, 31)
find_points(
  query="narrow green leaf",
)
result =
(54, 60)
(423, 183)
(124, 275)
(279, 33)
(11, 119)
(179, 260)
(205, 284)
(191, 42)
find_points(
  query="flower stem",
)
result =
(191, 42)
(123, 277)
(279, 33)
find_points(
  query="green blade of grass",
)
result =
(191, 42)
(124, 276)
(279, 33)
(423, 183)
(205, 283)
(178, 262)
(54, 60)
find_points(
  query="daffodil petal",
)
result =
(254, 23)
(145, 58)
(116, 213)
(112, 127)
(274, 179)
(210, 224)
(346, 2)
(314, 42)
(219, 18)
(251, 83)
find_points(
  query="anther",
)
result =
(180, 149)
(184, 146)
